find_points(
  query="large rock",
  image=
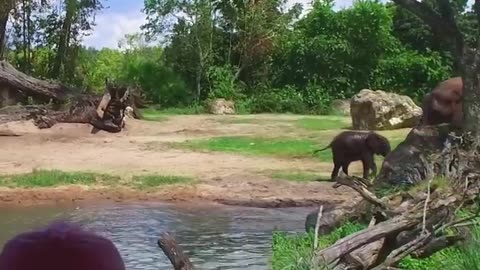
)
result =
(222, 106)
(342, 106)
(379, 110)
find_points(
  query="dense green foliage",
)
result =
(266, 58)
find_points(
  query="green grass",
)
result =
(155, 180)
(294, 252)
(155, 114)
(53, 178)
(278, 147)
(255, 146)
(299, 176)
(190, 110)
(465, 256)
(151, 114)
(324, 123)
(236, 120)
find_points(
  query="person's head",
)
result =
(60, 246)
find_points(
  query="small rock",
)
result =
(221, 106)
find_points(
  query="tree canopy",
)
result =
(264, 56)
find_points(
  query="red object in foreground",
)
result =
(61, 246)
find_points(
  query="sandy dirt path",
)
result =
(142, 148)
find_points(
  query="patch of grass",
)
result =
(156, 114)
(324, 123)
(441, 183)
(465, 256)
(52, 178)
(190, 110)
(299, 176)
(235, 120)
(279, 147)
(150, 114)
(394, 142)
(255, 146)
(155, 180)
(291, 252)
(294, 252)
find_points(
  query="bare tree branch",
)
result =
(317, 224)
(174, 252)
(361, 238)
(356, 184)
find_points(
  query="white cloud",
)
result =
(111, 27)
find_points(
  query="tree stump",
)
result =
(412, 160)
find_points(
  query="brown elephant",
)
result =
(349, 146)
(444, 104)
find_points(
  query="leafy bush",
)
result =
(410, 73)
(317, 98)
(283, 100)
(222, 83)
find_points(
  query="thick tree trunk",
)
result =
(30, 86)
(5, 8)
(198, 82)
(471, 92)
(63, 42)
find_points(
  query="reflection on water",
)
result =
(215, 237)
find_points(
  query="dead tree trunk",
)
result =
(5, 7)
(30, 86)
(3, 34)
(174, 252)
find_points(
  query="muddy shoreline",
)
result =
(73, 195)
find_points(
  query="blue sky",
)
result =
(125, 17)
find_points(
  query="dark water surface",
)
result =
(215, 237)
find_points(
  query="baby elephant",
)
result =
(350, 146)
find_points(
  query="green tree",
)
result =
(196, 27)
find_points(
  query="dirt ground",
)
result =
(141, 149)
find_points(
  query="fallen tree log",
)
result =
(412, 222)
(29, 86)
(69, 105)
(81, 109)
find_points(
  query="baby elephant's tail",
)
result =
(316, 151)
